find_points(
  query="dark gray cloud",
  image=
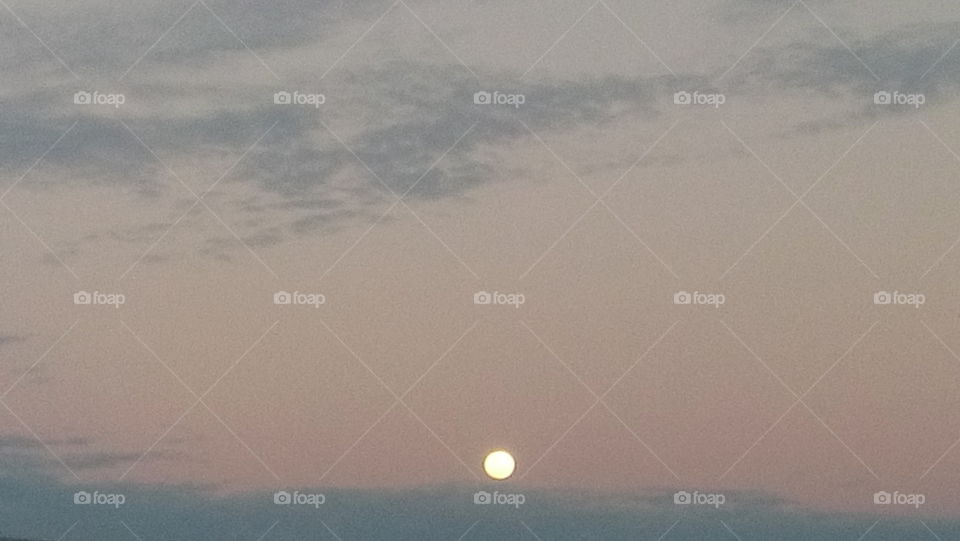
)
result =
(27, 454)
(34, 505)
(40, 508)
(6, 339)
(420, 110)
(105, 38)
(908, 59)
(400, 116)
(308, 181)
(101, 460)
(21, 443)
(903, 58)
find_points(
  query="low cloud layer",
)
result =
(40, 509)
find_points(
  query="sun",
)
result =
(499, 465)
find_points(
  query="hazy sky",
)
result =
(787, 189)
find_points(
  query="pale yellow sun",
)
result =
(499, 465)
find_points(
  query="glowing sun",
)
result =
(499, 465)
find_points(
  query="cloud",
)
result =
(15, 443)
(907, 57)
(103, 460)
(396, 118)
(28, 454)
(307, 180)
(105, 37)
(6, 339)
(39, 508)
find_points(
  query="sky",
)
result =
(720, 242)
